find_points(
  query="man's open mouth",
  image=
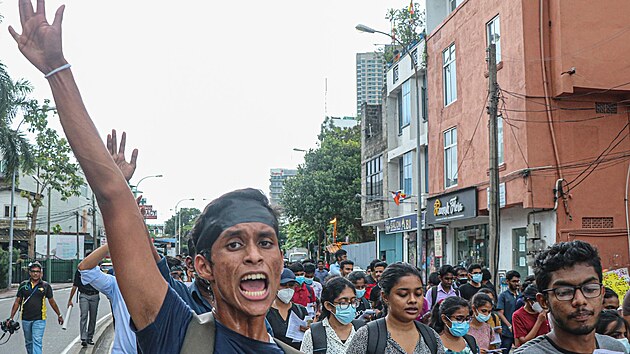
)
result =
(254, 286)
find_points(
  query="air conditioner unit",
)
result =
(533, 230)
(535, 245)
(423, 201)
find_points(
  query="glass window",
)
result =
(472, 245)
(493, 32)
(450, 157)
(406, 173)
(374, 180)
(450, 75)
(406, 104)
(6, 211)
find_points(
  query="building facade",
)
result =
(563, 127)
(277, 176)
(370, 78)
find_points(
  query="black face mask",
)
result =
(462, 281)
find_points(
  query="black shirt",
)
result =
(279, 325)
(375, 297)
(33, 299)
(468, 290)
(85, 289)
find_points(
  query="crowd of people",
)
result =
(244, 299)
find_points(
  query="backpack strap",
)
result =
(433, 296)
(200, 334)
(358, 323)
(318, 334)
(428, 335)
(377, 336)
(472, 343)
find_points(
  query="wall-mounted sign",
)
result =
(501, 196)
(437, 238)
(457, 205)
(401, 223)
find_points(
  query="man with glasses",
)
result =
(506, 305)
(31, 296)
(569, 279)
(445, 289)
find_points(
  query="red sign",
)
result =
(148, 212)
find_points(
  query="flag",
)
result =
(398, 196)
(411, 9)
(333, 221)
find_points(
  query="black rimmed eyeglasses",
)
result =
(567, 292)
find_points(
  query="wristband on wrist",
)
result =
(63, 67)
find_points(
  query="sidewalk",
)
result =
(7, 293)
(103, 338)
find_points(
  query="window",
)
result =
(406, 173)
(406, 104)
(374, 180)
(450, 157)
(493, 31)
(6, 211)
(500, 149)
(450, 75)
(452, 4)
(395, 74)
(3, 167)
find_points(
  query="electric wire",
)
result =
(472, 137)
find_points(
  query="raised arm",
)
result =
(136, 272)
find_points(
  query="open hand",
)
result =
(40, 42)
(118, 154)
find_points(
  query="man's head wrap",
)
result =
(236, 207)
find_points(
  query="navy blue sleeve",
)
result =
(180, 288)
(166, 334)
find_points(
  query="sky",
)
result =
(212, 93)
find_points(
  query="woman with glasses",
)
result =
(335, 331)
(451, 319)
(398, 332)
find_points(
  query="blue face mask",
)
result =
(459, 329)
(360, 293)
(625, 343)
(477, 278)
(482, 318)
(345, 316)
(300, 279)
(308, 281)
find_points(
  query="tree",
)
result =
(189, 216)
(408, 27)
(54, 167)
(325, 187)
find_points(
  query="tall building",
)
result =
(563, 137)
(370, 78)
(276, 186)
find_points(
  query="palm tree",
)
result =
(15, 149)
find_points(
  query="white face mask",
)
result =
(285, 295)
(536, 307)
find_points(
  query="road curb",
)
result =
(103, 337)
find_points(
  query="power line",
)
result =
(483, 108)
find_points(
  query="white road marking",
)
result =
(78, 338)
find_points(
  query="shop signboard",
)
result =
(437, 237)
(401, 223)
(458, 205)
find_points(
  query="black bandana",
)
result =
(238, 211)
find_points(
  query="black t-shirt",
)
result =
(467, 290)
(375, 297)
(279, 325)
(228, 341)
(33, 299)
(86, 289)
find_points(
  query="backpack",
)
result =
(320, 340)
(377, 336)
(434, 292)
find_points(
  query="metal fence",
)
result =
(54, 270)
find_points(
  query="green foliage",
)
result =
(407, 27)
(189, 216)
(54, 164)
(4, 265)
(325, 187)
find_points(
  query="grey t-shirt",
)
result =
(543, 345)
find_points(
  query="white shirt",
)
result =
(124, 338)
(317, 289)
(335, 345)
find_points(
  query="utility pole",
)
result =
(76, 213)
(48, 226)
(493, 137)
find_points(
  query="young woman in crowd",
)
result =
(451, 319)
(339, 308)
(282, 307)
(495, 320)
(479, 327)
(403, 294)
(612, 324)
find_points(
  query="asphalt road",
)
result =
(55, 338)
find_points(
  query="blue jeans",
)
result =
(33, 335)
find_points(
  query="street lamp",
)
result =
(414, 62)
(142, 179)
(179, 225)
